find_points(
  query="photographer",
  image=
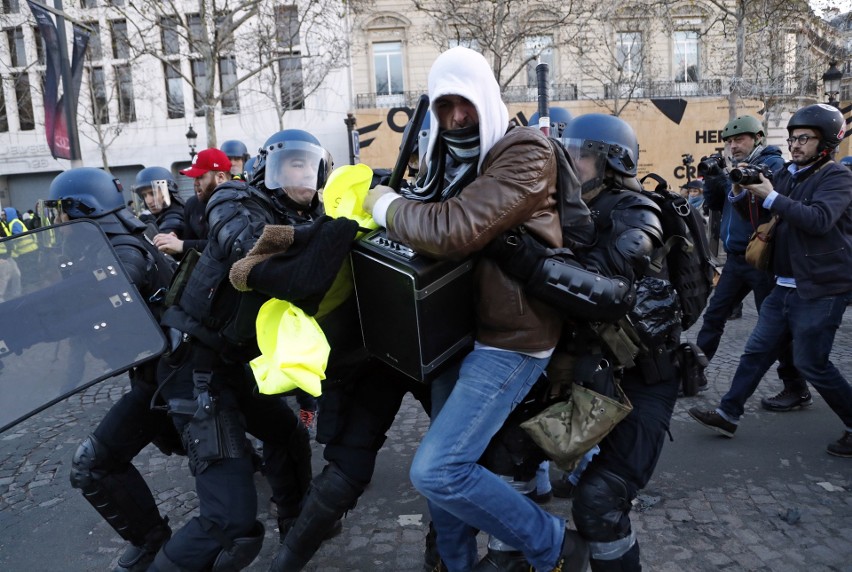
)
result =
(745, 143)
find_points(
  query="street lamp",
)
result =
(191, 136)
(831, 81)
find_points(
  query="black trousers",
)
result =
(225, 487)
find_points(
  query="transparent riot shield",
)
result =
(69, 318)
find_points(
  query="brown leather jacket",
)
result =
(516, 186)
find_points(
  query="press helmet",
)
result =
(744, 124)
(559, 118)
(293, 148)
(235, 148)
(86, 192)
(823, 117)
(604, 140)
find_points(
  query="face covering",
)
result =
(696, 202)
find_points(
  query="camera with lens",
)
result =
(687, 159)
(711, 166)
(750, 174)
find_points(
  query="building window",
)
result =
(287, 27)
(120, 43)
(686, 56)
(199, 81)
(540, 48)
(228, 85)
(292, 86)
(126, 105)
(387, 61)
(174, 90)
(39, 45)
(196, 31)
(4, 117)
(26, 118)
(169, 35)
(11, 6)
(629, 53)
(17, 48)
(100, 103)
(94, 51)
(90, 3)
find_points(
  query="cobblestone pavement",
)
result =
(770, 499)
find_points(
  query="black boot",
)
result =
(137, 558)
(575, 553)
(331, 494)
(431, 558)
(627, 562)
(502, 561)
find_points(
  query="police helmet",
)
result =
(249, 167)
(847, 162)
(823, 117)
(235, 148)
(86, 192)
(598, 142)
(559, 118)
(146, 177)
(293, 158)
(743, 124)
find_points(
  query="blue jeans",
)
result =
(813, 325)
(737, 280)
(464, 496)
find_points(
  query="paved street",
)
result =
(771, 499)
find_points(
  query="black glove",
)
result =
(517, 253)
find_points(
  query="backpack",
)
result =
(686, 253)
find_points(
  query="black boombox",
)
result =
(416, 312)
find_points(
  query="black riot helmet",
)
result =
(85, 192)
(292, 158)
(234, 148)
(598, 142)
(156, 186)
(824, 118)
(559, 119)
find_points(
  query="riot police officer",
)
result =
(211, 393)
(238, 154)
(158, 190)
(606, 153)
(102, 467)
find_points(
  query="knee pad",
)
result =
(89, 463)
(600, 508)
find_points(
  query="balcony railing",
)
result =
(665, 89)
(513, 94)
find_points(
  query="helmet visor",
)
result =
(156, 195)
(296, 164)
(589, 157)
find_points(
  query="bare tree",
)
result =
(510, 33)
(232, 42)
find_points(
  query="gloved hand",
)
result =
(275, 238)
(518, 253)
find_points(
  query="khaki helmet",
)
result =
(744, 124)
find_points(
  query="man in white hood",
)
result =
(483, 179)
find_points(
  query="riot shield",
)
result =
(69, 318)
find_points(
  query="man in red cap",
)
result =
(210, 168)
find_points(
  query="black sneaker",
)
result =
(787, 401)
(502, 561)
(712, 420)
(842, 447)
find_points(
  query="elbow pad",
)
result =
(581, 294)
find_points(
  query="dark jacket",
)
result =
(815, 210)
(516, 186)
(736, 228)
(195, 229)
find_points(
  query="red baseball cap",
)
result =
(208, 160)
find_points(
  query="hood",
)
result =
(11, 213)
(462, 71)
